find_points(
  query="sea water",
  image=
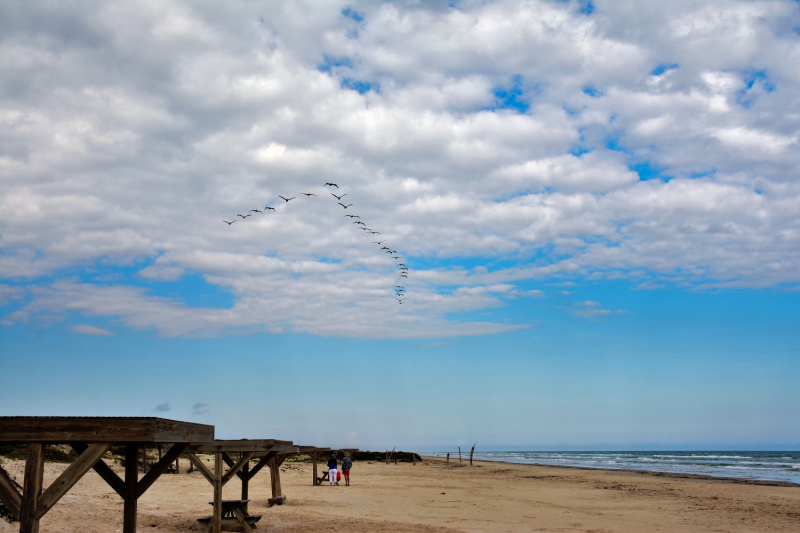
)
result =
(771, 466)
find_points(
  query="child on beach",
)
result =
(347, 464)
(332, 470)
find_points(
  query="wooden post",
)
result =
(471, 452)
(314, 470)
(414, 458)
(459, 455)
(245, 482)
(32, 488)
(216, 519)
(448, 457)
(159, 452)
(387, 457)
(178, 465)
(129, 492)
(275, 478)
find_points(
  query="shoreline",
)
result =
(654, 473)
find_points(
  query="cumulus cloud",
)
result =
(200, 408)
(602, 144)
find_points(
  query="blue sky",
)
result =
(600, 225)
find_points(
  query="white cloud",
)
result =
(154, 122)
(91, 330)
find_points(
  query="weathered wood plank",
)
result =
(70, 476)
(130, 504)
(238, 466)
(31, 488)
(157, 469)
(104, 471)
(198, 464)
(101, 429)
(9, 494)
(216, 520)
(266, 445)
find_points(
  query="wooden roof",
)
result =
(244, 445)
(101, 429)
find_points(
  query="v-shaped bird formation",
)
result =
(402, 269)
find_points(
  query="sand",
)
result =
(435, 497)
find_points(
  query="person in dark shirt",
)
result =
(347, 464)
(332, 470)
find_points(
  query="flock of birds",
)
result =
(399, 290)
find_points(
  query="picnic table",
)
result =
(91, 438)
(315, 455)
(234, 517)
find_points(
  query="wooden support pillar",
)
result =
(129, 492)
(216, 519)
(275, 481)
(246, 482)
(32, 488)
(314, 468)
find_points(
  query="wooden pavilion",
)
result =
(266, 450)
(91, 438)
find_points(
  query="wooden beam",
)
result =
(238, 466)
(245, 445)
(70, 476)
(157, 469)
(216, 518)
(261, 464)
(129, 492)
(101, 429)
(244, 475)
(198, 464)
(275, 477)
(9, 494)
(314, 469)
(242, 520)
(104, 471)
(31, 488)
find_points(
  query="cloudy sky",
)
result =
(598, 204)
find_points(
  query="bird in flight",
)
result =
(307, 194)
(385, 248)
(287, 199)
(243, 216)
(399, 286)
(375, 232)
(345, 206)
(353, 216)
(256, 211)
(366, 229)
(332, 185)
(268, 207)
(379, 242)
(396, 257)
(401, 264)
(359, 222)
(228, 223)
(338, 197)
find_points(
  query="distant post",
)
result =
(471, 452)
(459, 455)
(448, 457)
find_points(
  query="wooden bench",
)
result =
(231, 524)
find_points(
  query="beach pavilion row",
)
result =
(93, 437)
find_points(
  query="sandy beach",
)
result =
(436, 497)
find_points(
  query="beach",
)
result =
(437, 497)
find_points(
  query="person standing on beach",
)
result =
(347, 464)
(332, 469)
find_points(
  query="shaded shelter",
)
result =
(91, 438)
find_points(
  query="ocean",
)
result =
(771, 466)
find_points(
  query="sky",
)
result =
(598, 204)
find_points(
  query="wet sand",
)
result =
(436, 497)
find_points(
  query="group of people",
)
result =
(347, 464)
